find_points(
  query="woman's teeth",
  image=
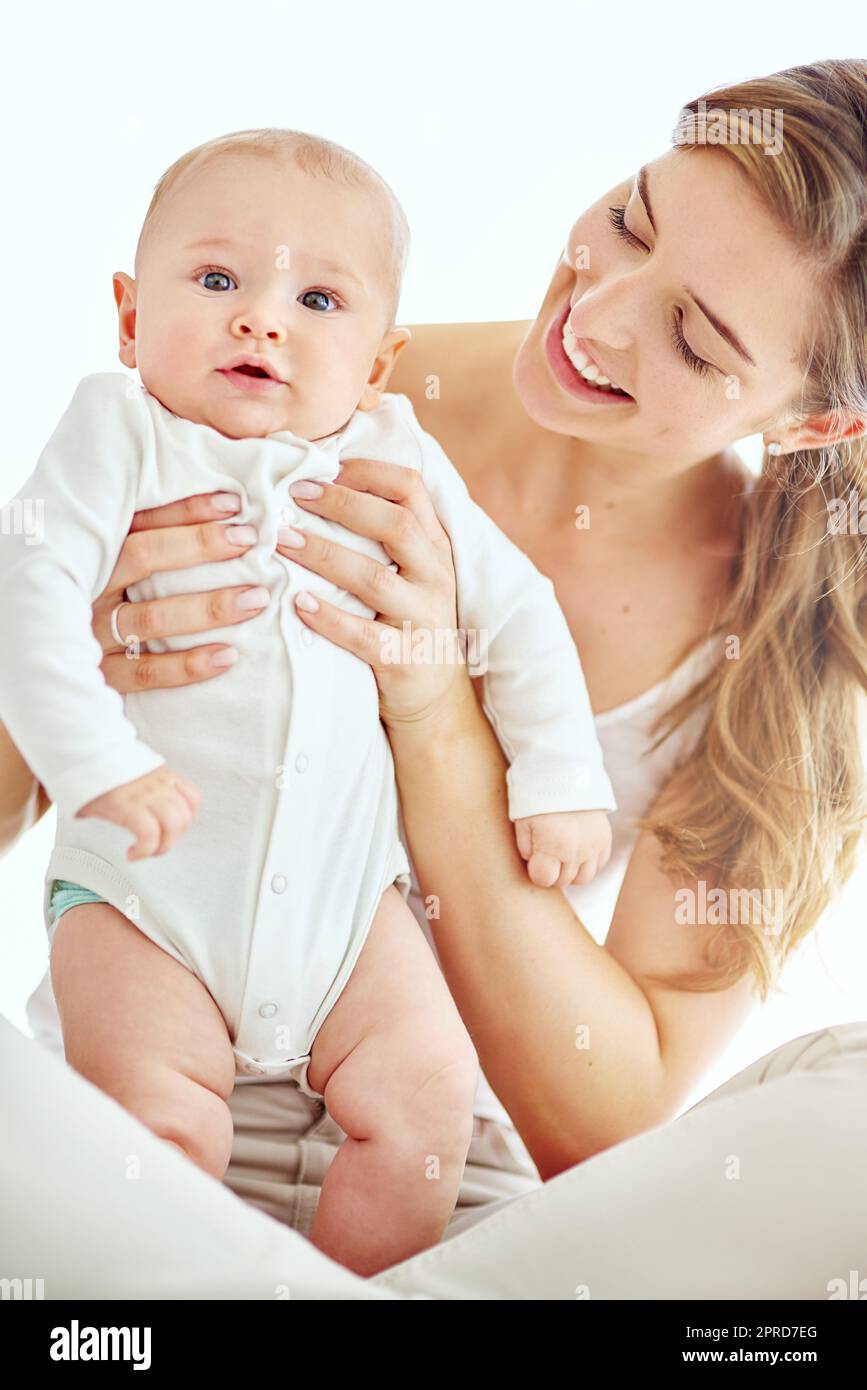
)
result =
(587, 369)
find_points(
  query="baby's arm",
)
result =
(68, 522)
(535, 695)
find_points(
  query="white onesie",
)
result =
(269, 895)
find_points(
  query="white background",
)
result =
(496, 124)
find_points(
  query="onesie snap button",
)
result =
(268, 1009)
(278, 883)
(301, 762)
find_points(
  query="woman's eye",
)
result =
(318, 296)
(697, 364)
(212, 279)
(616, 217)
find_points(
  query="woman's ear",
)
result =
(394, 342)
(124, 297)
(819, 431)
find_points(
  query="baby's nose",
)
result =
(255, 326)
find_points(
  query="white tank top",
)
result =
(638, 774)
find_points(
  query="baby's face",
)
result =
(249, 257)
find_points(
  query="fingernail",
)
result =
(242, 535)
(287, 535)
(226, 502)
(227, 657)
(306, 489)
(253, 598)
(306, 601)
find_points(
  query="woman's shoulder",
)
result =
(455, 375)
(450, 345)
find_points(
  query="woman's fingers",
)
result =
(364, 637)
(371, 581)
(179, 616)
(177, 547)
(390, 504)
(381, 646)
(400, 520)
(395, 526)
(396, 484)
(166, 670)
(205, 506)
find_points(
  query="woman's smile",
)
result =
(567, 375)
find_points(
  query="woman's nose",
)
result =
(259, 327)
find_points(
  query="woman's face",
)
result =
(629, 284)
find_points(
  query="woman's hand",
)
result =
(389, 504)
(190, 532)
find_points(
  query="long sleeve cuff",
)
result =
(536, 794)
(81, 784)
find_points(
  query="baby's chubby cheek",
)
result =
(324, 387)
(176, 377)
(326, 403)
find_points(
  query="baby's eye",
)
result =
(212, 279)
(318, 295)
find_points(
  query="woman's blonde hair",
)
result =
(773, 797)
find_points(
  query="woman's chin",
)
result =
(540, 396)
(544, 400)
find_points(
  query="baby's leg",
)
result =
(398, 1072)
(144, 1029)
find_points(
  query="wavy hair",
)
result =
(773, 794)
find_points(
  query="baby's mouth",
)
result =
(250, 377)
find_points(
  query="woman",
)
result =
(744, 654)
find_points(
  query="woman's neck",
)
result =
(548, 475)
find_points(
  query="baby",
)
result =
(273, 941)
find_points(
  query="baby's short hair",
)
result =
(314, 155)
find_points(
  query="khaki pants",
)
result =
(757, 1192)
(285, 1142)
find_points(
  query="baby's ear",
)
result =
(124, 298)
(394, 342)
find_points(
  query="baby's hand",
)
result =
(563, 847)
(156, 809)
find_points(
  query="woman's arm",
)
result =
(185, 533)
(581, 1047)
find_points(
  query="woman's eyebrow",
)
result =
(713, 319)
